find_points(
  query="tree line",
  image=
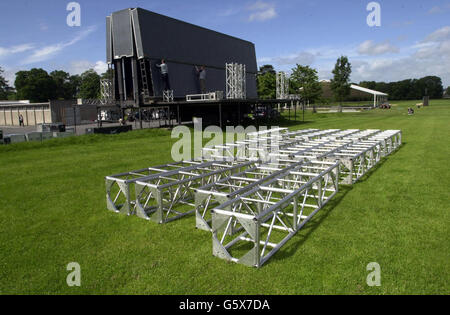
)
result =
(37, 85)
(411, 89)
(304, 81)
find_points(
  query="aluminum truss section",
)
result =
(392, 140)
(258, 144)
(318, 134)
(362, 135)
(236, 84)
(120, 187)
(209, 196)
(106, 91)
(356, 160)
(213, 96)
(282, 86)
(168, 96)
(267, 132)
(270, 215)
(170, 196)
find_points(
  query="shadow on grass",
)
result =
(379, 165)
(303, 235)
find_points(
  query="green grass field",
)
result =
(53, 212)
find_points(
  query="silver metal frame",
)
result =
(236, 84)
(269, 215)
(119, 187)
(170, 196)
(218, 192)
(168, 96)
(106, 91)
(282, 86)
(243, 200)
(213, 96)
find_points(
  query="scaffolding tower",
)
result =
(106, 91)
(236, 81)
(282, 86)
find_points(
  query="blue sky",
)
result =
(413, 40)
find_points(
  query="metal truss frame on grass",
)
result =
(209, 196)
(258, 144)
(170, 196)
(356, 160)
(119, 187)
(392, 140)
(269, 215)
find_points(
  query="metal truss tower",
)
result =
(106, 91)
(236, 81)
(282, 86)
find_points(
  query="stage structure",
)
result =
(138, 39)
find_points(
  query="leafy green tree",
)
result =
(109, 74)
(65, 88)
(75, 85)
(340, 84)
(368, 84)
(267, 82)
(5, 89)
(90, 85)
(35, 85)
(447, 91)
(305, 81)
(432, 86)
(266, 68)
(410, 89)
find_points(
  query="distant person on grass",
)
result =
(164, 74)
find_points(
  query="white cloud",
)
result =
(10, 75)
(262, 11)
(371, 48)
(43, 26)
(6, 52)
(100, 67)
(435, 9)
(431, 56)
(229, 12)
(80, 66)
(439, 35)
(47, 52)
(303, 58)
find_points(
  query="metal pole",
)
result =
(303, 106)
(295, 110)
(75, 119)
(289, 112)
(220, 115)
(124, 79)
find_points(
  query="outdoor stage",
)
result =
(217, 112)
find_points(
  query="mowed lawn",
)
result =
(53, 212)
